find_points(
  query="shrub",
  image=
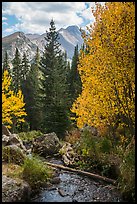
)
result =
(103, 130)
(35, 172)
(105, 145)
(73, 136)
(127, 170)
(89, 144)
(29, 136)
(97, 154)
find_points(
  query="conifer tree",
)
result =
(54, 68)
(74, 77)
(16, 71)
(6, 63)
(25, 67)
(31, 90)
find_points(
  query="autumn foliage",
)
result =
(12, 104)
(107, 70)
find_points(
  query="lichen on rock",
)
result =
(15, 190)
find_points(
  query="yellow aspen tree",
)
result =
(12, 104)
(107, 70)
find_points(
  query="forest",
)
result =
(89, 103)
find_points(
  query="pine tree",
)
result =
(31, 91)
(25, 67)
(54, 68)
(16, 71)
(74, 77)
(6, 63)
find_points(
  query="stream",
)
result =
(76, 188)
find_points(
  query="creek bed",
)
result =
(76, 188)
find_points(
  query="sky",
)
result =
(35, 17)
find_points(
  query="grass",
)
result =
(126, 181)
(35, 172)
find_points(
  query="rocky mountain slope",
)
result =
(68, 38)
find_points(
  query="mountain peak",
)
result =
(73, 29)
(14, 35)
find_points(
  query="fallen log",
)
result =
(94, 176)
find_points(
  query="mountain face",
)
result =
(68, 38)
(19, 40)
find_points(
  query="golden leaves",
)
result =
(12, 105)
(108, 70)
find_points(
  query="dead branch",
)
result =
(94, 176)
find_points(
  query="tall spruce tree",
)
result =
(75, 85)
(54, 68)
(25, 67)
(16, 71)
(6, 63)
(31, 91)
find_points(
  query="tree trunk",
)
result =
(94, 176)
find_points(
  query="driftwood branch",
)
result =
(94, 176)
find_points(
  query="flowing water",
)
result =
(76, 188)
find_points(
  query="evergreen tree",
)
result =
(74, 77)
(16, 71)
(25, 67)
(6, 63)
(31, 91)
(54, 69)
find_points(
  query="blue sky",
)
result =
(34, 17)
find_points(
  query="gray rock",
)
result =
(5, 140)
(13, 139)
(68, 154)
(48, 144)
(5, 131)
(13, 154)
(55, 180)
(15, 190)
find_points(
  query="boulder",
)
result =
(5, 140)
(12, 153)
(68, 155)
(13, 139)
(15, 190)
(5, 131)
(48, 144)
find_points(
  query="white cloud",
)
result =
(4, 19)
(4, 23)
(10, 30)
(34, 17)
